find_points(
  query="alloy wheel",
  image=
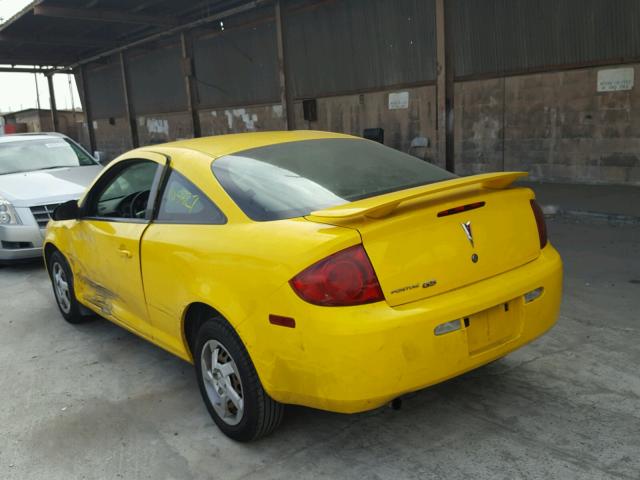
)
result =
(222, 382)
(61, 287)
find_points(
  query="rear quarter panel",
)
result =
(234, 268)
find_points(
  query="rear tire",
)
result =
(62, 282)
(230, 386)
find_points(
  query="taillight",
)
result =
(344, 278)
(542, 225)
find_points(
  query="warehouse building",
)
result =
(33, 120)
(545, 86)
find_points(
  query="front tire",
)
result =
(62, 282)
(230, 386)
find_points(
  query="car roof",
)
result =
(29, 137)
(219, 145)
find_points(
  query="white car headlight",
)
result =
(8, 215)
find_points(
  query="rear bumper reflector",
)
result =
(454, 325)
(447, 327)
(533, 294)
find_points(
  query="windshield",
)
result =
(289, 180)
(30, 155)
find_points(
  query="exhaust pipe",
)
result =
(396, 403)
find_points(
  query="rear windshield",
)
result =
(41, 154)
(289, 180)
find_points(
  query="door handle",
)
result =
(124, 253)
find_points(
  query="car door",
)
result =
(114, 216)
(187, 220)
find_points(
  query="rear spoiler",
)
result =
(382, 205)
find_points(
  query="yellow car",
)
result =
(306, 268)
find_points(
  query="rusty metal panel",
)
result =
(347, 46)
(237, 67)
(105, 91)
(157, 81)
(504, 36)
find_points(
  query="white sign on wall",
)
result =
(156, 125)
(398, 100)
(615, 79)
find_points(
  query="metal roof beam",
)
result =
(25, 70)
(39, 60)
(172, 31)
(143, 5)
(100, 15)
(55, 41)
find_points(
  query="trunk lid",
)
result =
(418, 254)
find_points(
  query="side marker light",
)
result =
(282, 321)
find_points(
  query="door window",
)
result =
(126, 195)
(183, 202)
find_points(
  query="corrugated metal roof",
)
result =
(62, 32)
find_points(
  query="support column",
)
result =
(52, 103)
(190, 82)
(131, 116)
(286, 97)
(444, 90)
(88, 117)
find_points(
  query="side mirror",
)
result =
(67, 211)
(101, 157)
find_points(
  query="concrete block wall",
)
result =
(478, 126)
(353, 113)
(40, 121)
(112, 136)
(554, 125)
(345, 113)
(242, 119)
(164, 127)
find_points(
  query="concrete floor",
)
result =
(96, 402)
(609, 200)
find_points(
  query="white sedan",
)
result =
(37, 173)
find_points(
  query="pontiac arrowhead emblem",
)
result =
(466, 226)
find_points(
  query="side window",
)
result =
(126, 195)
(183, 202)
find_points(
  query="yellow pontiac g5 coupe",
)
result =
(306, 268)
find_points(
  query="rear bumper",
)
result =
(19, 242)
(354, 359)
